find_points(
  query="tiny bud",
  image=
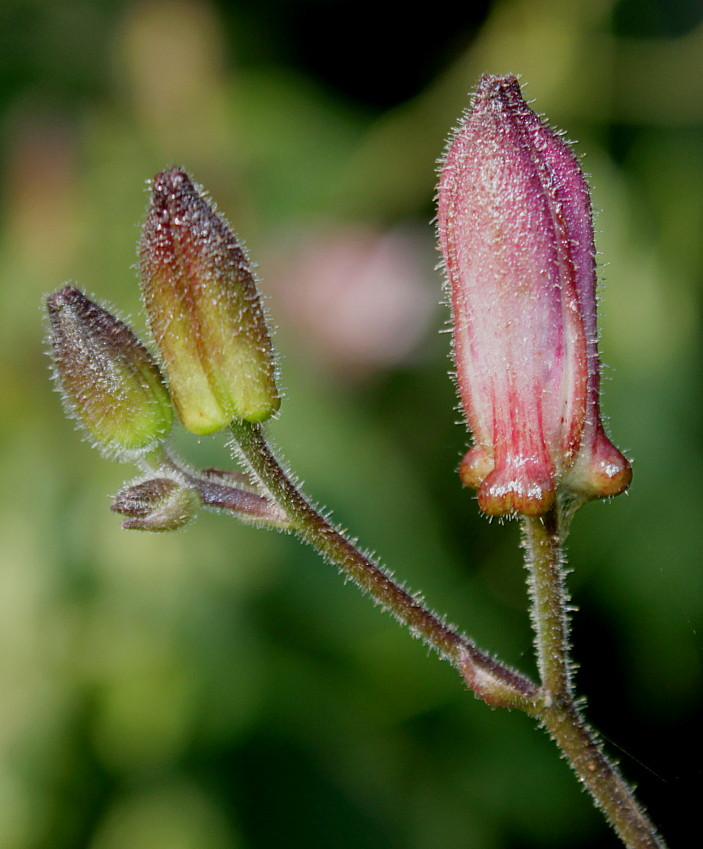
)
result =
(110, 382)
(516, 235)
(204, 310)
(158, 504)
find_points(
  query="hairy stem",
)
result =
(558, 711)
(230, 492)
(549, 611)
(552, 704)
(582, 748)
(490, 679)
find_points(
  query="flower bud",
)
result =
(516, 236)
(204, 310)
(110, 382)
(158, 504)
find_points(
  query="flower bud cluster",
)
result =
(208, 324)
(515, 231)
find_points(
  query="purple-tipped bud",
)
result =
(159, 504)
(110, 382)
(204, 310)
(516, 236)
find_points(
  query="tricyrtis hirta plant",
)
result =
(516, 238)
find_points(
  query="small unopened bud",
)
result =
(516, 235)
(204, 310)
(110, 382)
(158, 504)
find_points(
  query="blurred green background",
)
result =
(219, 687)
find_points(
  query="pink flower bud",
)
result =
(516, 236)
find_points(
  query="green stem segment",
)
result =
(491, 680)
(600, 776)
(558, 711)
(549, 611)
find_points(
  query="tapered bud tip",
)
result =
(170, 194)
(65, 297)
(170, 182)
(157, 504)
(204, 309)
(495, 85)
(109, 380)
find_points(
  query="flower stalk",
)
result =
(599, 775)
(552, 704)
(491, 680)
(558, 711)
(549, 610)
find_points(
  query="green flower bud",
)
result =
(110, 382)
(204, 310)
(157, 504)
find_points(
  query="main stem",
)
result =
(490, 679)
(559, 713)
(553, 704)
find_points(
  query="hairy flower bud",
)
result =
(110, 382)
(516, 236)
(157, 504)
(204, 310)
